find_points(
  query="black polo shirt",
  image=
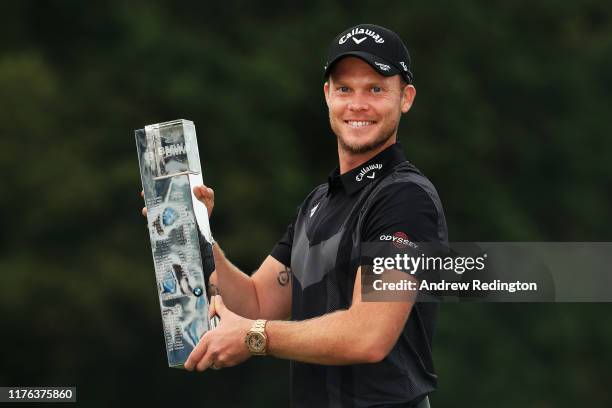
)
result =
(386, 196)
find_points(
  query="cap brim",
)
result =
(380, 65)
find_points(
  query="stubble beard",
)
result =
(382, 138)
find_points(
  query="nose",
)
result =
(358, 103)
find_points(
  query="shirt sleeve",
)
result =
(403, 210)
(401, 219)
(282, 250)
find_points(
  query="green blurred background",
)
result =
(511, 123)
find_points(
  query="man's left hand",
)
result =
(224, 346)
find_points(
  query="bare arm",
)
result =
(265, 295)
(364, 333)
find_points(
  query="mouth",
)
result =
(360, 123)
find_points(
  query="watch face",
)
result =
(256, 342)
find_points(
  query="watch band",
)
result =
(258, 329)
(259, 326)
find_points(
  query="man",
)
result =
(344, 352)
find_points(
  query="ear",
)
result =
(408, 95)
(326, 92)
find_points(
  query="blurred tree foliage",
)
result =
(511, 122)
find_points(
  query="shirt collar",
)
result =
(375, 168)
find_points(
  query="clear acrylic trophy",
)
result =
(179, 231)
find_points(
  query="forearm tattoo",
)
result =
(284, 276)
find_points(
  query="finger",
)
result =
(212, 309)
(197, 191)
(142, 193)
(220, 306)
(203, 193)
(144, 212)
(205, 362)
(197, 353)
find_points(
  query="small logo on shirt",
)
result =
(312, 211)
(399, 239)
(366, 170)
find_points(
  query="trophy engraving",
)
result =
(179, 231)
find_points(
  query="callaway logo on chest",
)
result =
(366, 170)
(360, 32)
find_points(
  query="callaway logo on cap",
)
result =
(376, 45)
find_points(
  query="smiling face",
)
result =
(364, 106)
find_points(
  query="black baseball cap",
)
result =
(380, 47)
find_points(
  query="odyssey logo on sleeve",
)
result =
(399, 239)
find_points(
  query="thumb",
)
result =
(220, 306)
(212, 308)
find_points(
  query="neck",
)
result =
(349, 161)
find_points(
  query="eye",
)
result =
(343, 89)
(376, 89)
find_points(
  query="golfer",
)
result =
(304, 302)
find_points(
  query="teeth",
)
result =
(360, 123)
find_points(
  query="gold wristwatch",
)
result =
(256, 340)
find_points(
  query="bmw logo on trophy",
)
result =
(181, 240)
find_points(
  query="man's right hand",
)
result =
(205, 194)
